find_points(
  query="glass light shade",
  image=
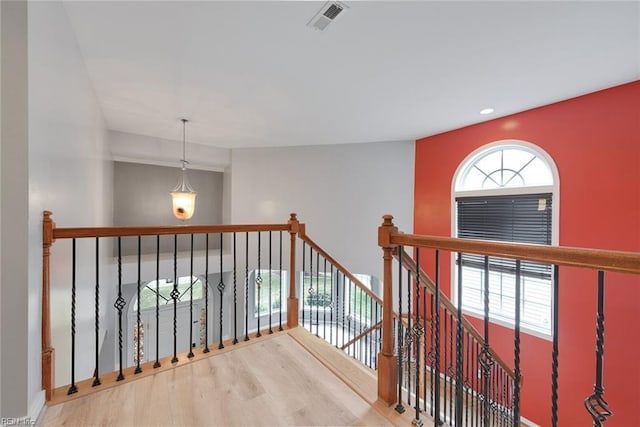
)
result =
(184, 204)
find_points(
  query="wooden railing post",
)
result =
(387, 362)
(292, 302)
(47, 351)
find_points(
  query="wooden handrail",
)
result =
(80, 232)
(427, 283)
(362, 335)
(338, 266)
(605, 260)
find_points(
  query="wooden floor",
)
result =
(273, 382)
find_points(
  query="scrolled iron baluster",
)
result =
(259, 284)
(554, 354)
(485, 358)
(73, 388)
(206, 294)
(270, 284)
(281, 299)
(597, 407)
(221, 287)
(96, 380)
(418, 331)
(157, 362)
(399, 407)
(459, 348)
(246, 287)
(175, 294)
(190, 354)
(235, 292)
(436, 327)
(119, 305)
(516, 350)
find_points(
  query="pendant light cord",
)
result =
(184, 144)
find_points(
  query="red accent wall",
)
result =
(595, 143)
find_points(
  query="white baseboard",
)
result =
(35, 407)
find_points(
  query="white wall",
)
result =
(339, 191)
(69, 168)
(128, 147)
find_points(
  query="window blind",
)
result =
(522, 218)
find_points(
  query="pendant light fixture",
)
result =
(183, 196)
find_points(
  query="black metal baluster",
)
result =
(318, 293)
(96, 380)
(235, 292)
(466, 380)
(324, 296)
(349, 317)
(221, 287)
(597, 407)
(424, 351)
(476, 383)
(409, 349)
(445, 370)
(378, 349)
(436, 328)
(72, 387)
(190, 354)
(270, 284)
(259, 285)
(418, 330)
(555, 352)
(304, 249)
(282, 302)
(459, 348)
(119, 305)
(371, 335)
(450, 371)
(361, 357)
(310, 297)
(206, 293)
(485, 359)
(493, 394)
(516, 350)
(430, 357)
(174, 295)
(138, 322)
(157, 362)
(332, 306)
(246, 287)
(344, 306)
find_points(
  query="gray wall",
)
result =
(141, 197)
(16, 366)
(339, 191)
(70, 173)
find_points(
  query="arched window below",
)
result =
(507, 192)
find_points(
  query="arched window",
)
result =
(507, 191)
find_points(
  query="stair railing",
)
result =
(494, 398)
(337, 306)
(253, 257)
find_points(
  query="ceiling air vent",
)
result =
(329, 12)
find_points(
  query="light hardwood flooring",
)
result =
(272, 382)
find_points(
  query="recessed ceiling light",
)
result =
(486, 111)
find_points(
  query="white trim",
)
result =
(36, 408)
(166, 163)
(555, 211)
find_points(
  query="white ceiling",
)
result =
(251, 74)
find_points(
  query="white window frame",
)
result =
(253, 291)
(554, 189)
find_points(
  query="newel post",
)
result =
(387, 362)
(292, 301)
(47, 351)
